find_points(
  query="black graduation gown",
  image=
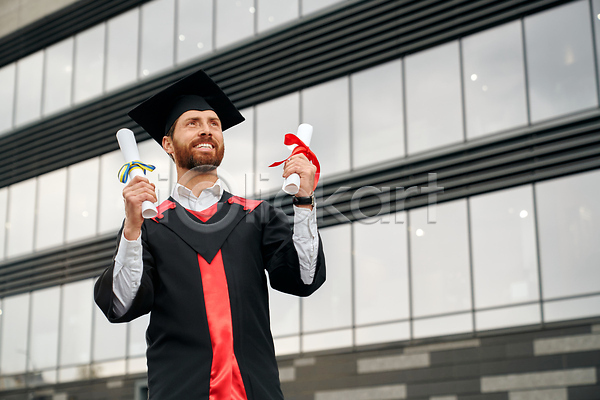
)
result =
(248, 237)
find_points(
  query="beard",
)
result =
(187, 158)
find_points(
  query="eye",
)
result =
(191, 123)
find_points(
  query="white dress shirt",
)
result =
(127, 273)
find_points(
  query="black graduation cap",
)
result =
(194, 92)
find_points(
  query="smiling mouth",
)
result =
(204, 146)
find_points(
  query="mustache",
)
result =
(205, 140)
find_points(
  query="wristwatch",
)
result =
(301, 201)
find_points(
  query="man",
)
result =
(199, 266)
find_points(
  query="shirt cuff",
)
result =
(306, 241)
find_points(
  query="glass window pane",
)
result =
(111, 209)
(82, 199)
(560, 62)
(440, 279)
(272, 13)
(584, 307)
(122, 49)
(285, 313)
(158, 27)
(89, 63)
(569, 233)
(326, 108)
(3, 224)
(76, 323)
(44, 328)
(448, 325)
(137, 336)
(309, 6)
(29, 88)
(58, 77)
(596, 28)
(235, 21)
(157, 156)
(327, 340)
(21, 204)
(504, 247)
(15, 322)
(50, 215)
(377, 115)
(433, 98)
(381, 271)
(331, 305)
(194, 39)
(274, 119)
(382, 333)
(494, 80)
(109, 339)
(7, 96)
(507, 317)
(237, 168)
(287, 345)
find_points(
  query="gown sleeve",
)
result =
(281, 258)
(143, 300)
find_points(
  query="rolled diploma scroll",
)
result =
(291, 184)
(130, 153)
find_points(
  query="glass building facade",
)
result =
(515, 255)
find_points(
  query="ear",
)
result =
(167, 144)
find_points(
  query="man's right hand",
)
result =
(138, 190)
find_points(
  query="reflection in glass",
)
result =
(19, 227)
(439, 255)
(272, 13)
(50, 215)
(194, 38)
(89, 63)
(325, 107)
(309, 6)
(235, 21)
(560, 64)
(58, 76)
(381, 271)
(82, 199)
(377, 115)
(237, 168)
(3, 215)
(158, 27)
(433, 98)
(494, 80)
(507, 317)
(76, 325)
(29, 88)
(15, 322)
(274, 119)
(504, 252)
(122, 49)
(569, 233)
(109, 339)
(44, 328)
(331, 305)
(7, 96)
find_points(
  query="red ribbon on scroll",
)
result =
(301, 148)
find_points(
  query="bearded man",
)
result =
(199, 266)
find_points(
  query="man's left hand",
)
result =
(299, 164)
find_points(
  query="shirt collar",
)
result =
(209, 196)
